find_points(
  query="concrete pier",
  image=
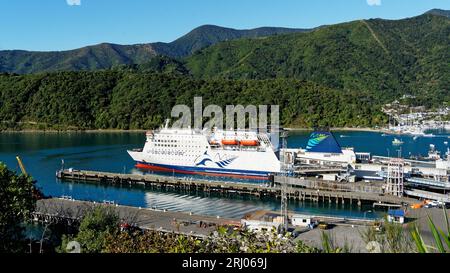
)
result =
(72, 211)
(227, 188)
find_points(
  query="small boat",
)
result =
(445, 142)
(396, 141)
(415, 137)
(433, 154)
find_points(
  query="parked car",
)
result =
(323, 225)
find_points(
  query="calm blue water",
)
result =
(42, 154)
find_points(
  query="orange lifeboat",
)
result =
(213, 142)
(230, 142)
(249, 142)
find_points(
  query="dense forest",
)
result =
(409, 56)
(106, 55)
(122, 99)
(337, 76)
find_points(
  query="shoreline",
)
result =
(76, 131)
(341, 129)
(291, 129)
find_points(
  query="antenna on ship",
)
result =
(166, 126)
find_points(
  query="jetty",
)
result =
(298, 189)
(70, 212)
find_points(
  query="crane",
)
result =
(22, 167)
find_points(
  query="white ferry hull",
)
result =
(184, 152)
(207, 169)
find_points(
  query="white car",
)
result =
(434, 204)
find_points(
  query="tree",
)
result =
(17, 200)
(94, 229)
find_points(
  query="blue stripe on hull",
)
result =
(209, 170)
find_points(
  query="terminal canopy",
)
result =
(323, 142)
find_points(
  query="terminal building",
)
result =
(324, 159)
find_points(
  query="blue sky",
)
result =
(66, 24)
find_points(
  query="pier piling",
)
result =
(208, 187)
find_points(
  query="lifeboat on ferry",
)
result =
(230, 142)
(213, 142)
(250, 142)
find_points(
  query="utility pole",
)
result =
(284, 168)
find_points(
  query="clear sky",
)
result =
(67, 24)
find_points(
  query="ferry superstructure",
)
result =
(234, 153)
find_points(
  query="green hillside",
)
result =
(336, 76)
(134, 100)
(371, 56)
(207, 35)
(88, 58)
(439, 12)
(107, 55)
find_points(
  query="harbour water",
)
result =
(42, 154)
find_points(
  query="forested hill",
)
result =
(208, 35)
(378, 56)
(337, 76)
(114, 99)
(106, 55)
(439, 12)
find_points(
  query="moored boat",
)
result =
(237, 154)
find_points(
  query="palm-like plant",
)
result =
(441, 239)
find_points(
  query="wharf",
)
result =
(72, 211)
(299, 192)
(345, 231)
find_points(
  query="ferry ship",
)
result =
(234, 153)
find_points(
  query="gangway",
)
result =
(429, 195)
(428, 182)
